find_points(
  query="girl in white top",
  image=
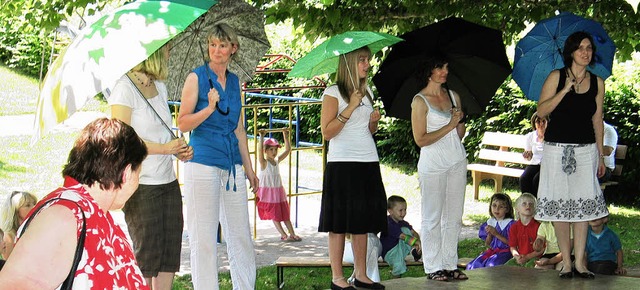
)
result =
(436, 122)
(534, 143)
(353, 196)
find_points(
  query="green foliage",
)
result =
(321, 18)
(27, 29)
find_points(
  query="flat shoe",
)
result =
(374, 285)
(566, 275)
(586, 275)
(336, 287)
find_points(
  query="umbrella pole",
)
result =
(350, 75)
(154, 111)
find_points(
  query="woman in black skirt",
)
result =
(353, 196)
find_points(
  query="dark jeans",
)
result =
(529, 179)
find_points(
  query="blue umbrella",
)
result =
(540, 51)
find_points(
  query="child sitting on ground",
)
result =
(271, 198)
(547, 242)
(495, 233)
(400, 238)
(604, 250)
(524, 231)
(14, 210)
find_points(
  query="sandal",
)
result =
(294, 238)
(457, 275)
(440, 275)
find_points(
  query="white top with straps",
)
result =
(444, 153)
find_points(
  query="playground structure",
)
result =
(265, 111)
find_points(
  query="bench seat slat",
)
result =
(503, 139)
(513, 172)
(503, 156)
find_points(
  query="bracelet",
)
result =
(341, 119)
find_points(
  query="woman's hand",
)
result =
(456, 116)
(568, 84)
(375, 116)
(253, 180)
(527, 155)
(214, 98)
(601, 168)
(355, 99)
(176, 146)
(186, 154)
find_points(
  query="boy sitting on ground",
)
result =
(400, 238)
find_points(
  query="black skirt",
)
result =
(353, 199)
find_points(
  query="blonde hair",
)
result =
(224, 32)
(156, 65)
(9, 212)
(523, 196)
(347, 74)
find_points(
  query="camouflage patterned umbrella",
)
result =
(189, 49)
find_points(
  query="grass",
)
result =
(37, 169)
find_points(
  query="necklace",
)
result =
(149, 78)
(577, 85)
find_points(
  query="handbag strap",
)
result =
(68, 282)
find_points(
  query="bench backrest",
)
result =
(504, 142)
(621, 154)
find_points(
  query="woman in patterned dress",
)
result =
(101, 175)
(569, 194)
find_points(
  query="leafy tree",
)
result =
(319, 18)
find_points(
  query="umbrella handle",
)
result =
(218, 104)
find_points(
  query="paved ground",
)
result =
(267, 241)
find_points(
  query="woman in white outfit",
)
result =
(437, 128)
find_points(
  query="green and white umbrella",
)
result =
(324, 58)
(104, 51)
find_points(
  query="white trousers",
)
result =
(208, 202)
(442, 208)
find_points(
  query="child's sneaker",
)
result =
(416, 255)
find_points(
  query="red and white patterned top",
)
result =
(107, 261)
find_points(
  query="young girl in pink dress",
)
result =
(272, 200)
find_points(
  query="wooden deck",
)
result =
(513, 277)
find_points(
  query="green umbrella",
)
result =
(106, 50)
(324, 58)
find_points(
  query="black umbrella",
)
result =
(477, 59)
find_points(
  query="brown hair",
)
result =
(103, 151)
(395, 199)
(507, 201)
(534, 120)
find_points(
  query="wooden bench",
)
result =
(621, 154)
(498, 149)
(288, 262)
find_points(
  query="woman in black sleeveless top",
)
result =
(569, 194)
